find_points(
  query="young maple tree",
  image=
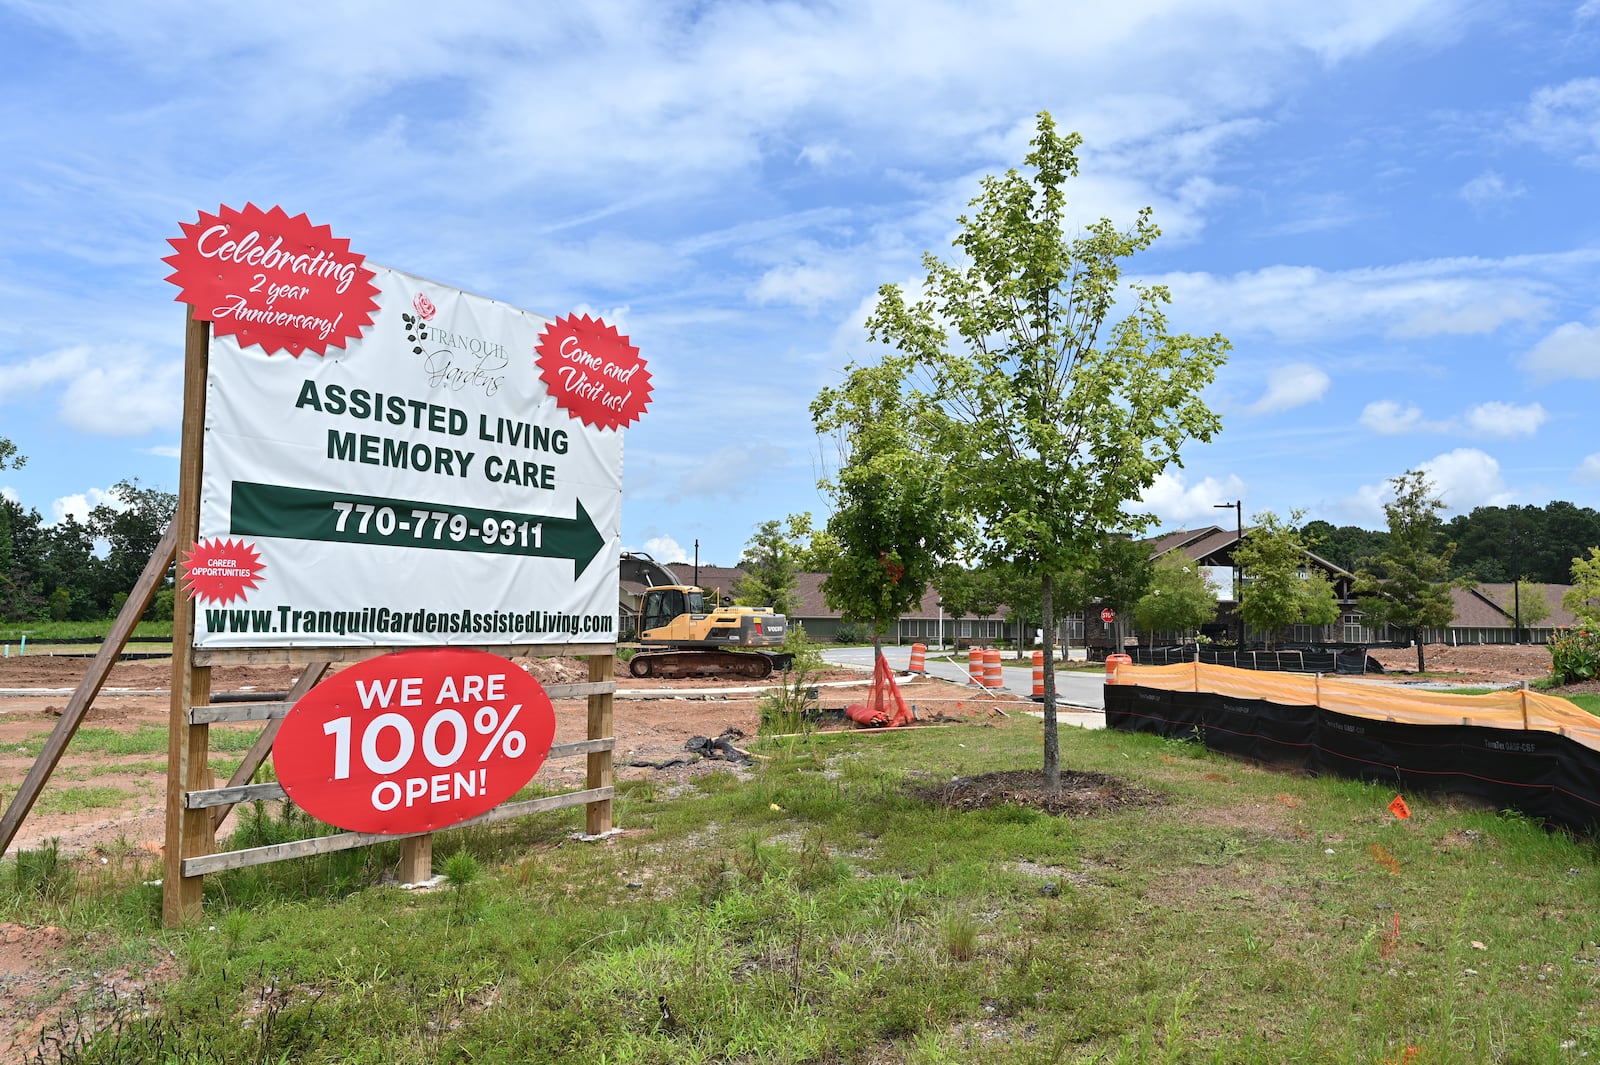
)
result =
(1050, 418)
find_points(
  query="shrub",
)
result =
(847, 632)
(1574, 655)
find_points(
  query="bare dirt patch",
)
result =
(1479, 664)
(654, 722)
(1078, 794)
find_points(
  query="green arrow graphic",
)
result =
(348, 518)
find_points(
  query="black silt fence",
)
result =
(1353, 662)
(1542, 774)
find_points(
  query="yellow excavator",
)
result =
(680, 636)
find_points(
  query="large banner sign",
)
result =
(450, 474)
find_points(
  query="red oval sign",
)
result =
(414, 741)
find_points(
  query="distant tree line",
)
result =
(1493, 544)
(82, 571)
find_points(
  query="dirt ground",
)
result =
(1486, 664)
(128, 817)
(128, 792)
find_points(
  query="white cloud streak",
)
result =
(1292, 386)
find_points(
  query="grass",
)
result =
(42, 632)
(817, 912)
(145, 740)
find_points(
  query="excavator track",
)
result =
(671, 665)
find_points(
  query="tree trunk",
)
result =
(1052, 739)
(1416, 636)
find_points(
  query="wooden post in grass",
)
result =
(189, 831)
(597, 817)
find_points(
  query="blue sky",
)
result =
(1388, 207)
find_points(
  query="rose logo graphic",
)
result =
(424, 307)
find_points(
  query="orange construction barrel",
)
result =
(1038, 676)
(919, 658)
(975, 666)
(993, 674)
(1112, 662)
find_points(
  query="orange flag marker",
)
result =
(1399, 808)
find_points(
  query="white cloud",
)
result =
(1570, 350)
(1467, 478)
(1589, 469)
(731, 472)
(1419, 299)
(822, 156)
(1565, 119)
(1291, 386)
(665, 549)
(7, 492)
(803, 286)
(1587, 10)
(1461, 479)
(1506, 419)
(1388, 418)
(80, 504)
(1174, 503)
(1489, 187)
(111, 390)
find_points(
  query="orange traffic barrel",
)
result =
(919, 658)
(975, 666)
(1038, 676)
(1112, 662)
(993, 675)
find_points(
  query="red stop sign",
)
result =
(1108, 615)
(414, 741)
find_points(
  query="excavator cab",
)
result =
(682, 637)
(661, 605)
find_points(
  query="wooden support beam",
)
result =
(277, 852)
(259, 750)
(189, 832)
(155, 571)
(597, 819)
(416, 859)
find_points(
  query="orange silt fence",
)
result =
(993, 673)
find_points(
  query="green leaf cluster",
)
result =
(1281, 586)
(1012, 386)
(1179, 600)
(1407, 585)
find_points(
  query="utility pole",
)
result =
(1238, 571)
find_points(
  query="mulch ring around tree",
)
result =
(1079, 794)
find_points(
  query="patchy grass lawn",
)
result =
(830, 907)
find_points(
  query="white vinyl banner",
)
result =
(420, 487)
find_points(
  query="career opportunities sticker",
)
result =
(593, 372)
(272, 280)
(220, 571)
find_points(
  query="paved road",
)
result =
(1084, 690)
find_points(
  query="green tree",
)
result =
(889, 518)
(1347, 546)
(1583, 598)
(1283, 586)
(771, 568)
(1526, 604)
(131, 524)
(1180, 598)
(1406, 585)
(10, 457)
(1051, 419)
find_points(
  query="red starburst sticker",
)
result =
(220, 571)
(593, 372)
(272, 280)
